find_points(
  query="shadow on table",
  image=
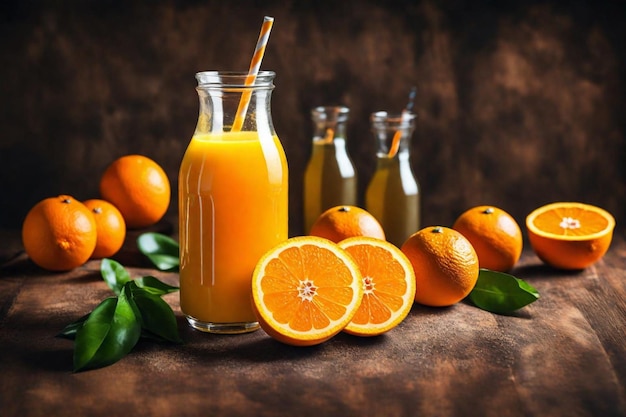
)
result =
(259, 347)
(49, 353)
(541, 271)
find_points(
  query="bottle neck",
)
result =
(227, 104)
(329, 124)
(330, 133)
(393, 134)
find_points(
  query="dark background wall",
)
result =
(519, 103)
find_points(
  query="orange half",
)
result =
(306, 290)
(388, 285)
(570, 235)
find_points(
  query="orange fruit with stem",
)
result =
(59, 233)
(570, 235)
(445, 264)
(138, 187)
(110, 226)
(388, 285)
(494, 234)
(306, 290)
(341, 222)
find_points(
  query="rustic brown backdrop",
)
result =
(519, 103)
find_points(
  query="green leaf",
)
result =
(501, 293)
(69, 331)
(163, 251)
(114, 274)
(110, 332)
(154, 286)
(113, 328)
(157, 317)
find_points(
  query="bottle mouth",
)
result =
(400, 120)
(330, 113)
(234, 79)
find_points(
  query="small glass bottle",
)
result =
(330, 177)
(392, 195)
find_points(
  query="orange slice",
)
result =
(570, 235)
(306, 290)
(388, 285)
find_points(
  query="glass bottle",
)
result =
(233, 184)
(330, 178)
(392, 194)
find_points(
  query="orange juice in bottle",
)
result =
(232, 202)
(330, 177)
(392, 195)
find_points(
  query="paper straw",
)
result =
(255, 64)
(328, 137)
(395, 142)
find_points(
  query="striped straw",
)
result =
(395, 142)
(255, 64)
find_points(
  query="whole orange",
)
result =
(494, 234)
(139, 188)
(110, 226)
(445, 265)
(59, 233)
(341, 222)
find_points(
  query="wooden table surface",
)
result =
(564, 355)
